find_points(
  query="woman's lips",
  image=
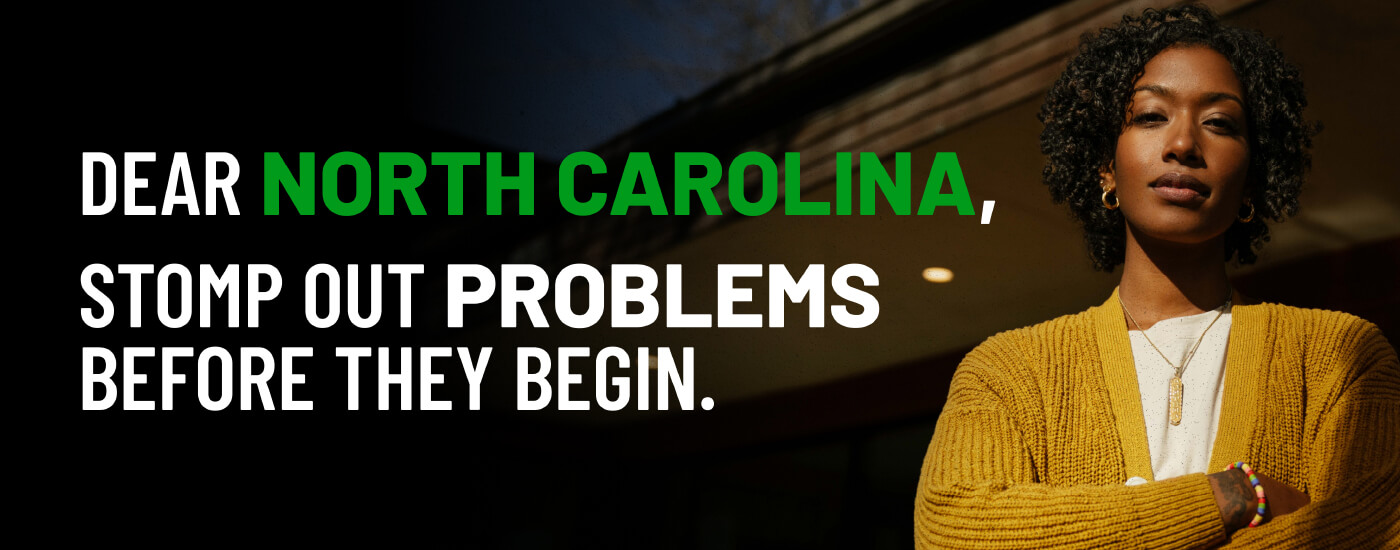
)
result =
(1180, 188)
(1180, 195)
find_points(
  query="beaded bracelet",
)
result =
(1258, 490)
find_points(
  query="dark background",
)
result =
(281, 78)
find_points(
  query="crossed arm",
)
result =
(978, 487)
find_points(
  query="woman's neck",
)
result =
(1164, 280)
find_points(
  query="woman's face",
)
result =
(1181, 162)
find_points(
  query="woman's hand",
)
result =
(1237, 501)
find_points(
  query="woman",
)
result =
(1172, 137)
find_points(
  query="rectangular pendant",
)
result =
(1174, 401)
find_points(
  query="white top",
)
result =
(1185, 448)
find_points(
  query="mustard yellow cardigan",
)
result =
(1043, 426)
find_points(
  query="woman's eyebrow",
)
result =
(1216, 97)
(1212, 97)
(1156, 89)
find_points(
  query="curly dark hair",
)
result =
(1084, 114)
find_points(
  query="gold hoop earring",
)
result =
(1106, 204)
(1250, 217)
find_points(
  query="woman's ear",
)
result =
(1106, 180)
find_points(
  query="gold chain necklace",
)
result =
(1174, 387)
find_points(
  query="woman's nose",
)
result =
(1182, 145)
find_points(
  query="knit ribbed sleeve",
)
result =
(1353, 468)
(979, 487)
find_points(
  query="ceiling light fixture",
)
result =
(938, 275)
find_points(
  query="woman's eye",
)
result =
(1222, 125)
(1148, 118)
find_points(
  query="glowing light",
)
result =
(938, 275)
